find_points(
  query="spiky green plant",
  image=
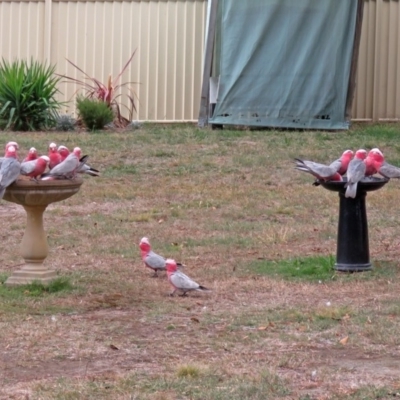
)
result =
(27, 95)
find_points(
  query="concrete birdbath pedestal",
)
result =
(35, 197)
(352, 252)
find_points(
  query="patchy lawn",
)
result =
(279, 322)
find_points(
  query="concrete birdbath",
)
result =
(352, 251)
(35, 197)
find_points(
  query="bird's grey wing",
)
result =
(27, 167)
(322, 170)
(335, 165)
(389, 171)
(66, 167)
(10, 170)
(182, 281)
(155, 261)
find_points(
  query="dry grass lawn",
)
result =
(230, 206)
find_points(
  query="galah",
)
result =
(345, 159)
(84, 168)
(9, 170)
(326, 172)
(377, 160)
(32, 155)
(67, 169)
(322, 172)
(12, 143)
(355, 172)
(150, 259)
(15, 144)
(63, 151)
(54, 155)
(389, 171)
(180, 281)
(35, 168)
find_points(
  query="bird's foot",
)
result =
(183, 294)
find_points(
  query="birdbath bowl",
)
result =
(352, 251)
(35, 197)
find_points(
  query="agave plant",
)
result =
(27, 95)
(107, 93)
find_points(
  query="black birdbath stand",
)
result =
(352, 252)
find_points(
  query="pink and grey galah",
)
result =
(9, 170)
(355, 172)
(324, 173)
(84, 168)
(389, 171)
(377, 161)
(63, 151)
(12, 143)
(66, 169)
(179, 281)
(35, 168)
(151, 259)
(32, 155)
(54, 155)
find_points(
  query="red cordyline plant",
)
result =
(95, 89)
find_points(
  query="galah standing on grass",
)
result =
(9, 170)
(54, 155)
(32, 155)
(180, 281)
(355, 172)
(35, 168)
(152, 260)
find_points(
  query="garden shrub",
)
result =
(95, 114)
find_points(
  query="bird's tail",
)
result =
(92, 172)
(351, 190)
(204, 289)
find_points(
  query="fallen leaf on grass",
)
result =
(344, 340)
(113, 347)
(194, 319)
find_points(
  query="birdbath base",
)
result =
(31, 273)
(352, 251)
(35, 197)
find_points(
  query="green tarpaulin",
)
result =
(284, 63)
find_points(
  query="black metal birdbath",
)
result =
(352, 252)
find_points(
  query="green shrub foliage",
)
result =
(95, 114)
(27, 95)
